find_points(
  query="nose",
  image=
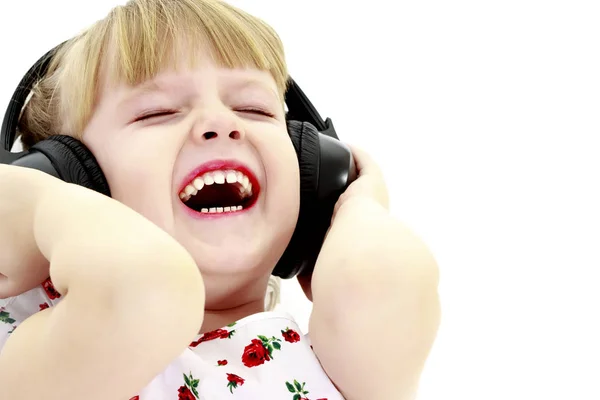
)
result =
(212, 126)
(235, 135)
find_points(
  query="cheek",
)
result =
(283, 178)
(139, 179)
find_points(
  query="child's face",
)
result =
(204, 115)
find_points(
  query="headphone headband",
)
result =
(299, 107)
(10, 122)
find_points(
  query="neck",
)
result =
(230, 298)
(215, 319)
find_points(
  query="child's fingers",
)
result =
(365, 164)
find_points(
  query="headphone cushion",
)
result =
(74, 162)
(300, 255)
(305, 138)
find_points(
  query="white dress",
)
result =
(262, 356)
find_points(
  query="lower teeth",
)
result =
(215, 210)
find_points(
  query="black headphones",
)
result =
(326, 166)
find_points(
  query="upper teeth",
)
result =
(219, 177)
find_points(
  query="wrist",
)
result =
(359, 206)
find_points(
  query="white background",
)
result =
(485, 117)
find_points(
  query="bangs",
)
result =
(154, 35)
(137, 41)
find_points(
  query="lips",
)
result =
(219, 188)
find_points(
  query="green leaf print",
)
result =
(5, 317)
(233, 381)
(270, 344)
(192, 384)
(297, 389)
(290, 387)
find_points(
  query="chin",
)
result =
(232, 279)
(233, 259)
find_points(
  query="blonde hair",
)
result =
(135, 42)
(273, 296)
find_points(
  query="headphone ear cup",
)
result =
(73, 162)
(305, 138)
(301, 253)
(327, 168)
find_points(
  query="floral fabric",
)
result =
(262, 356)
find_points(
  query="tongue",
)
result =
(216, 196)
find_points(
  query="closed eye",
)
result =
(257, 111)
(154, 114)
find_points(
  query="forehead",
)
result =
(195, 83)
(181, 71)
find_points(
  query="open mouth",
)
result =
(220, 191)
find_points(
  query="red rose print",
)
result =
(49, 288)
(255, 354)
(189, 390)
(235, 378)
(44, 306)
(222, 362)
(216, 334)
(290, 335)
(185, 394)
(233, 381)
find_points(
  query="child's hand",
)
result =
(369, 185)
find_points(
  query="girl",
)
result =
(159, 291)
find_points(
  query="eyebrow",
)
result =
(152, 86)
(271, 95)
(255, 83)
(145, 88)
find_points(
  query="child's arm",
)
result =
(376, 307)
(133, 297)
